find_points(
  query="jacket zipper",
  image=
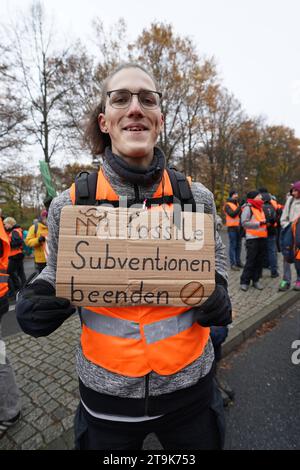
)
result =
(147, 377)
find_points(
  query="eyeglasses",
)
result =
(121, 99)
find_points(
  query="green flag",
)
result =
(47, 179)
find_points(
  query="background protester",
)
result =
(232, 211)
(9, 392)
(36, 239)
(15, 265)
(270, 259)
(254, 222)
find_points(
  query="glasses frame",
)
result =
(108, 93)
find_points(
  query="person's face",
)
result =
(296, 193)
(7, 226)
(258, 197)
(134, 130)
(235, 196)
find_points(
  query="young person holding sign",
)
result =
(142, 368)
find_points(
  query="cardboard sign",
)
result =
(119, 257)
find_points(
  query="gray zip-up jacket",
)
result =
(99, 379)
(291, 211)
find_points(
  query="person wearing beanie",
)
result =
(253, 195)
(254, 222)
(296, 186)
(36, 239)
(232, 210)
(290, 213)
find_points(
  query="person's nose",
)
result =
(135, 106)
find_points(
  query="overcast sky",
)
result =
(256, 43)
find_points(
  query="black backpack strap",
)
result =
(181, 189)
(85, 188)
(86, 184)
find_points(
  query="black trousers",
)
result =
(256, 249)
(188, 428)
(16, 273)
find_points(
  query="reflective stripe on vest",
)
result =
(258, 216)
(232, 221)
(4, 278)
(153, 332)
(110, 325)
(135, 340)
(168, 327)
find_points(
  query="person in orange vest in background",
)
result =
(142, 368)
(254, 222)
(36, 239)
(9, 392)
(232, 211)
(15, 265)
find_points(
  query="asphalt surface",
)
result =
(266, 411)
(265, 414)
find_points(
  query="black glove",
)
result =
(42, 239)
(4, 305)
(216, 310)
(39, 312)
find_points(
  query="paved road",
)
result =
(266, 413)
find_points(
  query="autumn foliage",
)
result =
(206, 132)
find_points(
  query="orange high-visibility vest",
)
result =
(135, 340)
(4, 260)
(274, 204)
(16, 251)
(231, 221)
(258, 216)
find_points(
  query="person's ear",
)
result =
(102, 123)
(162, 120)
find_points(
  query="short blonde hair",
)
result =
(10, 221)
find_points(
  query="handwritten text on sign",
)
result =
(117, 257)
